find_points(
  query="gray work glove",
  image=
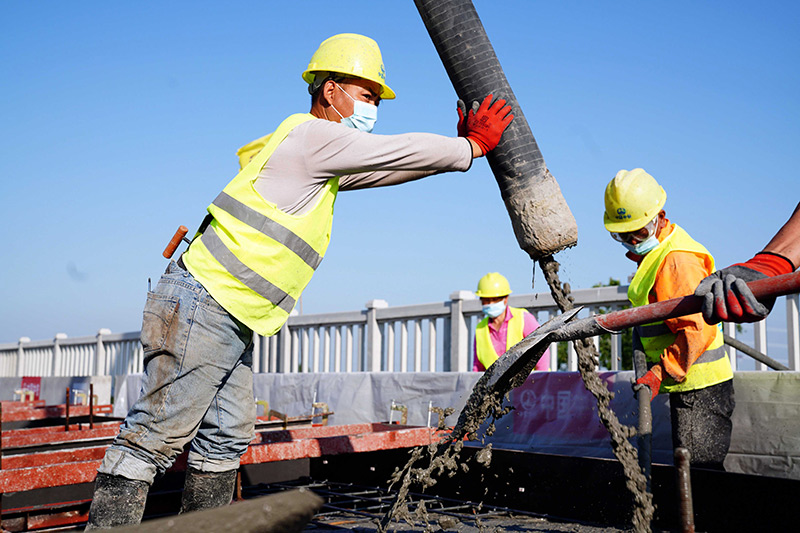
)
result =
(462, 116)
(727, 297)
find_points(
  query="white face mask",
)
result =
(364, 115)
(494, 310)
(643, 247)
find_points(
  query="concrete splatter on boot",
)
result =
(204, 490)
(117, 501)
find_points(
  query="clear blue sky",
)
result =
(121, 121)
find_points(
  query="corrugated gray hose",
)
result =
(542, 221)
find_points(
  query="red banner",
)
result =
(33, 384)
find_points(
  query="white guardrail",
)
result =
(435, 337)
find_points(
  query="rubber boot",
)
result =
(204, 490)
(117, 501)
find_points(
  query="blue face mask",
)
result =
(643, 247)
(364, 115)
(494, 310)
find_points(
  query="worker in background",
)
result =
(266, 233)
(686, 357)
(502, 326)
(725, 293)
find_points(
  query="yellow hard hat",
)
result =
(493, 285)
(352, 55)
(633, 198)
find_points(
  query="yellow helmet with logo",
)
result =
(633, 198)
(493, 285)
(353, 55)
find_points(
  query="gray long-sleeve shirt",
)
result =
(318, 150)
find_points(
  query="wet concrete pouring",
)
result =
(443, 458)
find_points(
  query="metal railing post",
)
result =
(374, 336)
(100, 353)
(793, 331)
(256, 353)
(284, 349)
(729, 329)
(459, 334)
(616, 352)
(56, 367)
(760, 340)
(21, 356)
(572, 357)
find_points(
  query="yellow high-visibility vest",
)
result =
(713, 366)
(483, 341)
(254, 259)
(247, 152)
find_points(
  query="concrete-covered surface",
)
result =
(553, 414)
(491, 524)
(572, 494)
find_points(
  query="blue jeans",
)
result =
(197, 385)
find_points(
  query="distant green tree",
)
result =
(605, 340)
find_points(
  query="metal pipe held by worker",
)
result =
(542, 221)
(284, 512)
(645, 429)
(527, 352)
(755, 354)
(682, 470)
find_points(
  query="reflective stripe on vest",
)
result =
(244, 274)
(253, 258)
(270, 228)
(713, 366)
(514, 333)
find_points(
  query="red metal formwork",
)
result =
(9, 406)
(335, 440)
(34, 471)
(32, 460)
(55, 475)
(38, 517)
(57, 435)
(78, 426)
(19, 411)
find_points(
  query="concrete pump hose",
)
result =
(542, 221)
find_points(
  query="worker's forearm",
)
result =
(385, 178)
(787, 241)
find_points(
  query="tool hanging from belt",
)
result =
(180, 235)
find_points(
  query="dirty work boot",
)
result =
(117, 501)
(204, 490)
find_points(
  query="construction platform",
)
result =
(49, 461)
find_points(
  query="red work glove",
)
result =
(726, 295)
(486, 125)
(651, 380)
